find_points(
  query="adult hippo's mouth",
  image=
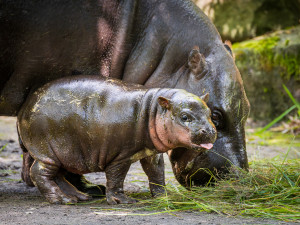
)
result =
(214, 163)
(188, 173)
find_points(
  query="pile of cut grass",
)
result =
(269, 190)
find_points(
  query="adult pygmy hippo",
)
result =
(138, 41)
(89, 124)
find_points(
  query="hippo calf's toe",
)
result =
(81, 125)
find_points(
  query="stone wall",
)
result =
(238, 20)
(266, 63)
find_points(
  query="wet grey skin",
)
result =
(143, 42)
(79, 124)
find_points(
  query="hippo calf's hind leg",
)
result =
(115, 176)
(43, 176)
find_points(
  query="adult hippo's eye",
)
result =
(217, 119)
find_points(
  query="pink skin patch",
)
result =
(207, 146)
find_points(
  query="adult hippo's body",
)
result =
(140, 41)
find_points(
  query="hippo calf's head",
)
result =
(183, 120)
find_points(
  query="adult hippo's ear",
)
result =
(205, 97)
(197, 63)
(164, 102)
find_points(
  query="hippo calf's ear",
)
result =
(228, 46)
(205, 97)
(196, 62)
(164, 102)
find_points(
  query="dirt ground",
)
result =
(20, 204)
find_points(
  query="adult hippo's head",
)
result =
(164, 57)
(215, 73)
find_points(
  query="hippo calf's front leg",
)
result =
(153, 166)
(115, 176)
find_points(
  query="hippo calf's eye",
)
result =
(185, 118)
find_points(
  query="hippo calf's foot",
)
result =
(157, 190)
(114, 198)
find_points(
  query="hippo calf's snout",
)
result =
(206, 137)
(205, 133)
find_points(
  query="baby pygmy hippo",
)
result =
(86, 124)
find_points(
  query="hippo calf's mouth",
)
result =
(206, 146)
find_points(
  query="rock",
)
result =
(266, 63)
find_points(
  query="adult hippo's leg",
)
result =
(154, 169)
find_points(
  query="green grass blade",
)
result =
(277, 119)
(292, 98)
(292, 184)
(1, 149)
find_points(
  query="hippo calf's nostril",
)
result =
(202, 131)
